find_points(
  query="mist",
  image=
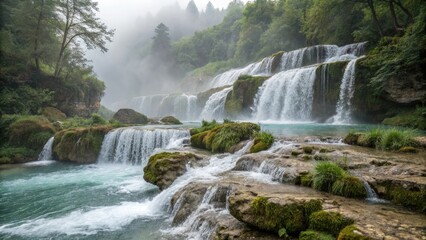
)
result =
(127, 68)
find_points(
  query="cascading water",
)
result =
(46, 153)
(286, 96)
(262, 68)
(215, 105)
(182, 106)
(343, 109)
(135, 145)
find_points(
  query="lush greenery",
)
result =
(330, 222)
(42, 62)
(221, 138)
(384, 139)
(415, 118)
(262, 141)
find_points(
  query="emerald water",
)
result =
(64, 201)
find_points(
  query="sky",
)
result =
(125, 16)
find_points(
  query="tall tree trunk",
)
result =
(404, 9)
(36, 41)
(64, 40)
(396, 25)
(375, 19)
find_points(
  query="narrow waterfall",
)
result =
(215, 106)
(262, 68)
(343, 109)
(182, 106)
(287, 96)
(46, 152)
(135, 145)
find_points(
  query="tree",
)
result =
(80, 23)
(192, 10)
(161, 45)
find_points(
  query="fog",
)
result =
(125, 68)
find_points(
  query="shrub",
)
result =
(205, 126)
(326, 173)
(24, 100)
(329, 222)
(394, 139)
(97, 119)
(349, 186)
(371, 138)
(16, 155)
(262, 141)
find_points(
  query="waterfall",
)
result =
(343, 109)
(287, 95)
(46, 153)
(215, 105)
(371, 194)
(182, 106)
(262, 68)
(135, 145)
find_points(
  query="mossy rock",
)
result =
(329, 222)
(349, 186)
(352, 233)
(409, 195)
(306, 180)
(170, 120)
(262, 141)
(273, 214)
(408, 150)
(224, 136)
(314, 235)
(130, 116)
(163, 168)
(240, 99)
(276, 62)
(31, 133)
(79, 145)
(308, 149)
(9, 155)
(203, 97)
(352, 138)
(53, 114)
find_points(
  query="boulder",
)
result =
(163, 168)
(79, 145)
(130, 116)
(170, 120)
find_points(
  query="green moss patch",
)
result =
(351, 233)
(314, 235)
(222, 137)
(329, 222)
(262, 141)
(31, 132)
(326, 173)
(349, 186)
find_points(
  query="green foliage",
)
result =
(314, 235)
(308, 149)
(411, 197)
(222, 137)
(16, 155)
(414, 119)
(349, 186)
(371, 138)
(350, 233)
(97, 119)
(262, 141)
(329, 222)
(24, 100)
(282, 233)
(326, 173)
(105, 112)
(205, 126)
(306, 180)
(31, 132)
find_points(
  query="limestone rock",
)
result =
(130, 116)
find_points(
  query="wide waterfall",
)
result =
(182, 106)
(289, 94)
(134, 145)
(46, 153)
(215, 105)
(286, 96)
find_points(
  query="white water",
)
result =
(371, 194)
(46, 153)
(343, 108)
(287, 96)
(262, 68)
(182, 106)
(134, 145)
(215, 105)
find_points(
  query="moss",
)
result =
(326, 173)
(414, 118)
(349, 186)
(17, 155)
(81, 145)
(314, 235)
(31, 132)
(321, 157)
(306, 180)
(329, 222)
(308, 149)
(408, 196)
(293, 217)
(53, 114)
(240, 99)
(205, 126)
(262, 141)
(351, 233)
(170, 120)
(408, 150)
(307, 157)
(295, 153)
(222, 137)
(352, 138)
(326, 150)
